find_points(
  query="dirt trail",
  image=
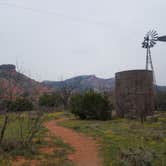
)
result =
(86, 149)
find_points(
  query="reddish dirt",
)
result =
(20, 161)
(86, 149)
(47, 150)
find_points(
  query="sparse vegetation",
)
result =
(16, 142)
(20, 130)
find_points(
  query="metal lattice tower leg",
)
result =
(151, 65)
(147, 59)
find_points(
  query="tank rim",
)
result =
(132, 71)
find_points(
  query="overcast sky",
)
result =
(59, 39)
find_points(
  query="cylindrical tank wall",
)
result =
(134, 91)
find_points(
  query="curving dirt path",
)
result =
(86, 149)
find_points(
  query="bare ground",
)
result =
(86, 149)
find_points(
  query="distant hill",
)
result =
(17, 84)
(83, 83)
(161, 88)
(86, 82)
(21, 85)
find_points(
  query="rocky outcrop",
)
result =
(17, 84)
(7, 67)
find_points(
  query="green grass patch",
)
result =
(124, 141)
(58, 115)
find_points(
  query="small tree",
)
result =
(65, 92)
(91, 105)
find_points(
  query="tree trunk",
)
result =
(3, 128)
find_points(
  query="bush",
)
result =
(161, 101)
(91, 105)
(50, 100)
(19, 105)
(137, 157)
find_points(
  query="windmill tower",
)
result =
(150, 40)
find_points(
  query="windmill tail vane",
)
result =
(162, 38)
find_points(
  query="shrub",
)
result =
(161, 101)
(19, 105)
(137, 157)
(91, 105)
(50, 100)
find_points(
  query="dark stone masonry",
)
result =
(134, 92)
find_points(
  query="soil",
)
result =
(86, 148)
(20, 161)
(47, 150)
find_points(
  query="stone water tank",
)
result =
(134, 91)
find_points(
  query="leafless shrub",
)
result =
(136, 157)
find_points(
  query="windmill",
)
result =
(150, 40)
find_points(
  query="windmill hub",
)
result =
(150, 39)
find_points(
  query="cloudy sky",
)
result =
(58, 39)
